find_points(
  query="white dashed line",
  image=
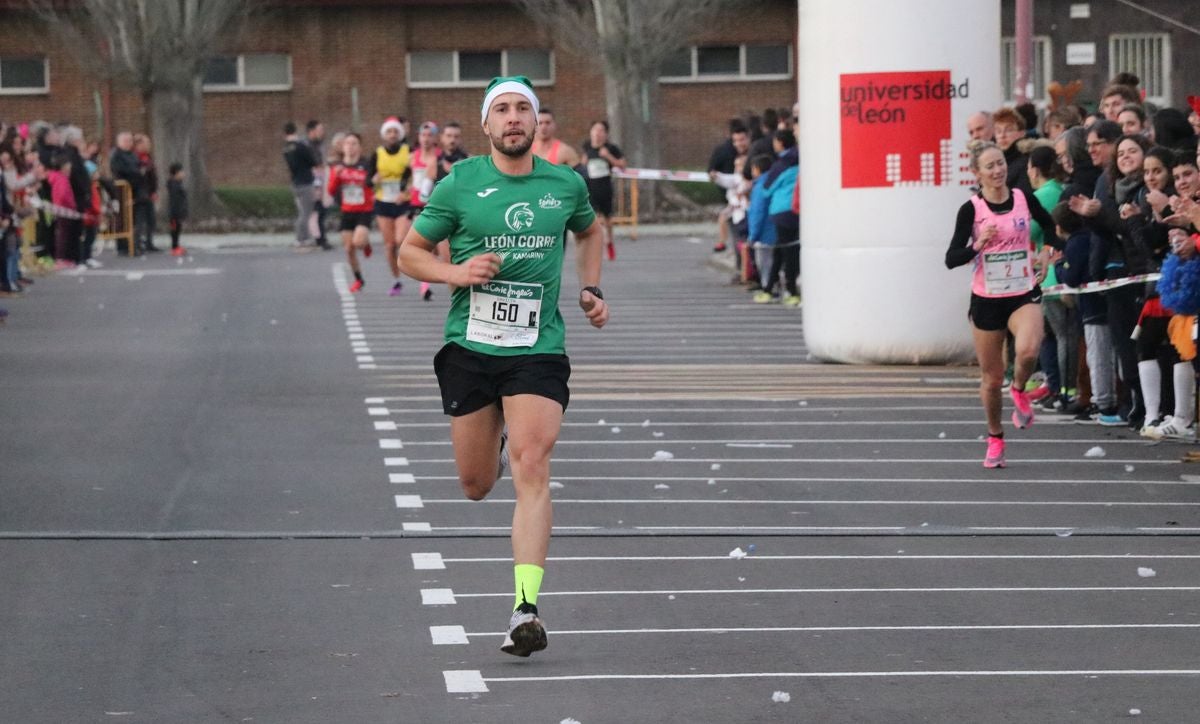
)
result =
(417, 528)
(377, 411)
(395, 462)
(391, 444)
(408, 501)
(448, 635)
(464, 682)
(430, 562)
(385, 426)
(401, 478)
(438, 597)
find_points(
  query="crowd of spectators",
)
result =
(1124, 189)
(758, 165)
(57, 193)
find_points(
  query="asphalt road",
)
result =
(226, 494)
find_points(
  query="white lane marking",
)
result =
(464, 682)
(889, 461)
(377, 411)
(364, 358)
(896, 557)
(448, 635)
(385, 426)
(791, 410)
(358, 335)
(852, 629)
(368, 366)
(726, 502)
(1172, 529)
(391, 444)
(417, 528)
(374, 401)
(438, 596)
(769, 423)
(408, 501)
(841, 481)
(848, 675)
(756, 444)
(948, 589)
(401, 478)
(428, 562)
(134, 276)
(395, 462)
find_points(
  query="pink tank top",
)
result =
(1004, 268)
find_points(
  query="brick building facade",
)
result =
(1093, 41)
(342, 60)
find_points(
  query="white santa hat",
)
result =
(501, 85)
(392, 122)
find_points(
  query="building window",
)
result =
(1146, 55)
(472, 68)
(1043, 62)
(24, 75)
(249, 72)
(710, 63)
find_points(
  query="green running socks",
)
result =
(528, 578)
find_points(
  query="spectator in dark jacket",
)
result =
(124, 165)
(177, 206)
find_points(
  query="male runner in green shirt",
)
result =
(504, 362)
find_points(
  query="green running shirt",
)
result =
(523, 219)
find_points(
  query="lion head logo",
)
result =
(519, 216)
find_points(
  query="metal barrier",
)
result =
(117, 224)
(626, 211)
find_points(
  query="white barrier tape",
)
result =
(1091, 287)
(55, 210)
(658, 174)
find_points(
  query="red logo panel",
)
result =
(896, 128)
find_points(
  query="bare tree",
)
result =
(159, 48)
(632, 38)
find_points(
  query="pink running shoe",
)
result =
(995, 452)
(1040, 392)
(395, 290)
(426, 291)
(1022, 417)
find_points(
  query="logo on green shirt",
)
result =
(519, 216)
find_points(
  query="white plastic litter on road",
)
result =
(737, 553)
(662, 486)
(616, 430)
(662, 455)
(712, 481)
(555, 485)
(1135, 712)
(1096, 452)
(781, 697)
(1147, 572)
(804, 403)
(716, 466)
(658, 434)
(601, 422)
(569, 720)
(645, 423)
(941, 436)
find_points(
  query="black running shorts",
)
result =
(389, 210)
(471, 381)
(990, 314)
(351, 221)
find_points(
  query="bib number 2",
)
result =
(1007, 272)
(505, 314)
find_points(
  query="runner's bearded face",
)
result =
(510, 125)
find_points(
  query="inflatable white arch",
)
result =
(885, 92)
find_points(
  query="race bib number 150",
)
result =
(504, 314)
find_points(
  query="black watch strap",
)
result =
(595, 291)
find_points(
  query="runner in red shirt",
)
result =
(357, 200)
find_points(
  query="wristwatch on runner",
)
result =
(595, 292)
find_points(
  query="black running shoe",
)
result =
(526, 633)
